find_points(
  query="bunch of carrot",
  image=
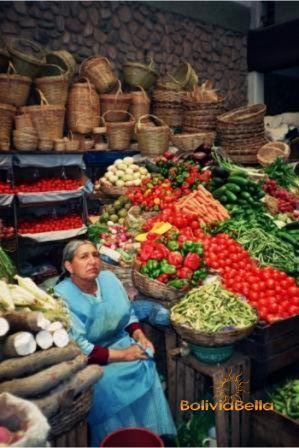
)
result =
(202, 203)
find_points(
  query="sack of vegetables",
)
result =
(212, 316)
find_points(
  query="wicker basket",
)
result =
(47, 119)
(83, 107)
(25, 142)
(54, 88)
(268, 153)
(248, 114)
(59, 144)
(45, 144)
(119, 133)
(14, 89)
(140, 75)
(71, 413)
(152, 140)
(112, 190)
(23, 121)
(210, 339)
(64, 60)
(118, 102)
(168, 96)
(184, 76)
(190, 142)
(71, 144)
(27, 57)
(154, 289)
(99, 71)
(171, 116)
(140, 104)
(7, 113)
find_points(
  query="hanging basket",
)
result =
(99, 71)
(14, 89)
(54, 88)
(118, 102)
(27, 57)
(7, 113)
(47, 119)
(190, 142)
(153, 140)
(184, 76)
(64, 60)
(137, 74)
(83, 107)
(119, 133)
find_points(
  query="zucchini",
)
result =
(234, 188)
(223, 198)
(238, 180)
(218, 182)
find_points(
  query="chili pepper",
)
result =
(163, 278)
(184, 273)
(178, 283)
(152, 264)
(173, 245)
(192, 261)
(176, 259)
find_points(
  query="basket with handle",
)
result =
(119, 133)
(99, 131)
(27, 57)
(117, 102)
(14, 88)
(7, 114)
(171, 116)
(59, 144)
(54, 88)
(70, 143)
(190, 142)
(168, 96)
(184, 76)
(64, 60)
(153, 140)
(24, 141)
(140, 75)
(140, 104)
(23, 121)
(99, 71)
(47, 119)
(45, 144)
(269, 152)
(83, 107)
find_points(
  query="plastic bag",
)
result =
(23, 417)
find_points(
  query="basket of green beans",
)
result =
(211, 316)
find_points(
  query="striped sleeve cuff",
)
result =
(99, 355)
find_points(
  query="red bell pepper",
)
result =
(184, 273)
(192, 261)
(176, 259)
(147, 251)
(163, 278)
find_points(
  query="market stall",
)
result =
(177, 213)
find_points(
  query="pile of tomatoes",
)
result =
(49, 224)
(155, 196)
(6, 188)
(48, 184)
(180, 220)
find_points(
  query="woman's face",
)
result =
(85, 264)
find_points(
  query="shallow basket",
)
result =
(27, 57)
(111, 190)
(152, 140)
(269, 152)
(211, 339)
(64, 60)
(190, 142)
(70, 414)
(154, 289)
(137, 74)
(248, 114)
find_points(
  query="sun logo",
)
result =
(229, 388)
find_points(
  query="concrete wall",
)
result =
(134, 30)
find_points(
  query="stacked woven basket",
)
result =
(201, 108)
(241, 132)
(168, 106)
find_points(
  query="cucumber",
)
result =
(218, 182)
(234, 188)
(231, 197)
(223, 198)
(292, 226)
(238, 180)
(245, 195)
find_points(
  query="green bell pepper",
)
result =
(155, 273)
(167, 268)
(199, 274)
(144, 270)
(177, 283)
(152, 264)
(172, 245)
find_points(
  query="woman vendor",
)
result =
(104, 325)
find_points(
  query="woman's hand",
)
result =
(132, 353)
(140, 337)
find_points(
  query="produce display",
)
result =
(116, 212)
(6, 188)
(285, 398)
(48, 184)
(286, 202)
(211, 308)
(125, 173)
(6, 231)
(50, 224)
(282, 173)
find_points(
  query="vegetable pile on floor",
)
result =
(285, 398)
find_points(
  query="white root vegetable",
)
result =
(61, 338)
(27, 321)
(5, 296)
(44, 339)
(54, 326)
(4, 326)
(20, 296)
(19, 344)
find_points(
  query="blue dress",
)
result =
(129, 394)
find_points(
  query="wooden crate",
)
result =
(77, 436)
(271, 348)
(188, 381)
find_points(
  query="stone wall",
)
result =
(135, 31)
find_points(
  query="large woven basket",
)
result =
(118, 102)
(27, 57)
(210, 339)
(14, 88)
(140, 104)
(83, 107)
(152, 140)
(23, 121)
(119, 134)
(154, 289)
(99, 71)
(168, 96)
(268, 153)
(47, 119)
(64, 60)
(54, 88)
(137, 74)
(112, 190)
(172, 116)
(249, 114)
(7, 113)
(190, 142)
(185, 76)
(71, 413)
